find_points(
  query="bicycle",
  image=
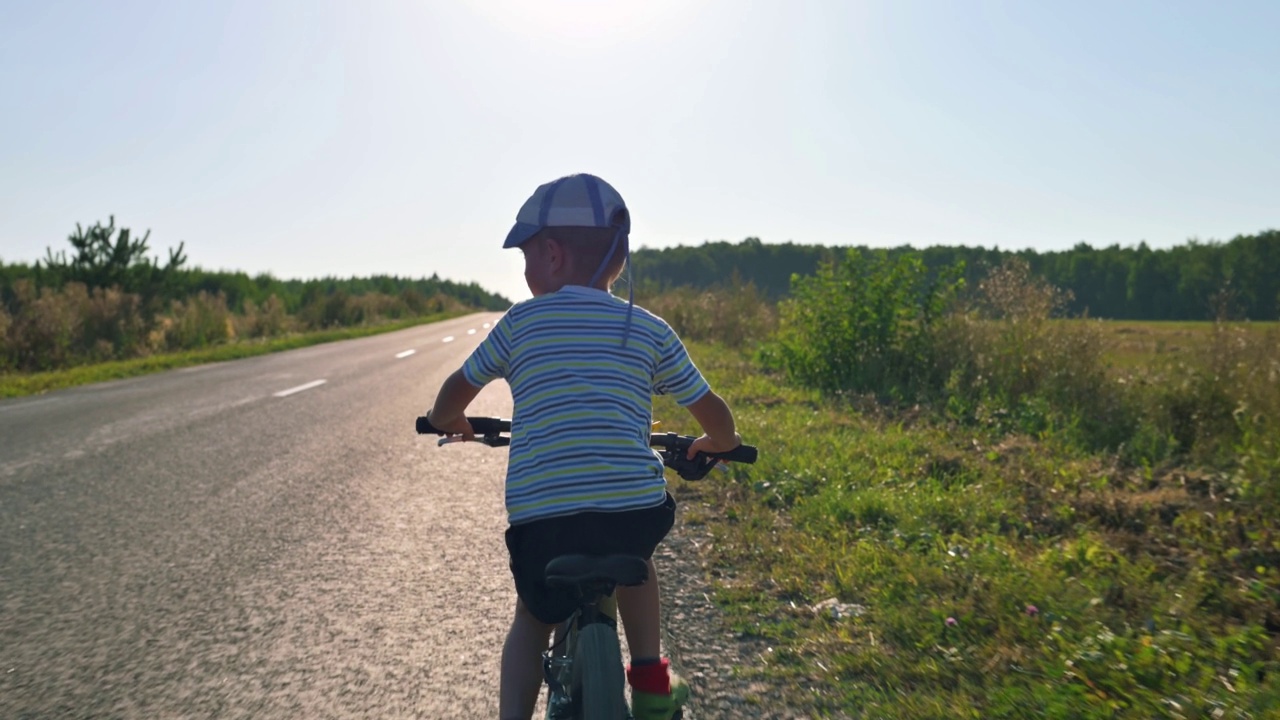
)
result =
(583, 667)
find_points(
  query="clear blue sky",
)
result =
(326, 137)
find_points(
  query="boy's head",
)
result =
(567, 255)
(573, 231)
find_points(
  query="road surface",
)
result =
(258, 538)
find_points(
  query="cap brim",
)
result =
(520, 233)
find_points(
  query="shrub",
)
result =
(201, 321)
(1007, 357)
(735, 314)
(268, 320)
(46, 325)
(865, 324)
(341, 309)
(6, 322)
(114, 326)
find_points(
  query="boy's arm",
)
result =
(716, 419)
(451, 402)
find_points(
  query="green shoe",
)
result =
(647, 706)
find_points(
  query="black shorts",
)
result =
(533, 544)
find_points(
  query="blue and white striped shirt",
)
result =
(583, 403)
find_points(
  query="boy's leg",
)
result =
(641, 610)
(655, 691)
(522, 665)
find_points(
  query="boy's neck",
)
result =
(598, 286)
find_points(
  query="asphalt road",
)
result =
(200, 544)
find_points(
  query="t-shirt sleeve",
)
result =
(492, 358)
(676, 374)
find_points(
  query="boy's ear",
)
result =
(555, 253)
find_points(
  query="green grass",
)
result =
(20, 384)
(981, 575)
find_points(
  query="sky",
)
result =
(311, 138)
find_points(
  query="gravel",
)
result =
(702, 647)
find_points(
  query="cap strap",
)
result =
(631, 300)
(613, 246)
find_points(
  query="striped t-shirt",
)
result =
(583, 403)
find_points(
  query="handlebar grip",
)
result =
(481, 425)
(672, 441)
(742, 453)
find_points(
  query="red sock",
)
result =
(652, 678)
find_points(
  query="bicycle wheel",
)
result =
(558, 672)
(597, 669)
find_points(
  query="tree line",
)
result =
(109, 299)
(105, 256)
(1239, 278)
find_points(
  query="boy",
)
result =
(583, 367)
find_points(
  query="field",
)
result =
(1132, 343)
(903, 563)
(903, 569)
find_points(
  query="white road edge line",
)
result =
(448, 339)
(300, 388)
(405, 354)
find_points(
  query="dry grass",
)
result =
(1137, 343)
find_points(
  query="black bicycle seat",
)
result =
(576, 570)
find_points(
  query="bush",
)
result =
(735, 314)
(865, 324)
(46, 326)
(341, 309)
(201, 321)
(114, 326)
(6, 322)
(437, 303)
(262, 322)
(1006, 357)
(1222, 406)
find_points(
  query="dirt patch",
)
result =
(702, 647)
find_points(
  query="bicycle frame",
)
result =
(563, 693)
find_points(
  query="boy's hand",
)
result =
(457, 426)
(707, 445)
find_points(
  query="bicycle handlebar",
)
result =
(674, 447)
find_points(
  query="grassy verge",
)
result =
(903, 567)
(20, 384)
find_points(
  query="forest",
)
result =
(1239, 279)
(110, 299)
(107, 297)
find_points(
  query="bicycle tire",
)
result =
(597, 667)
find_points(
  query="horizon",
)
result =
(993, 248)
(315, 139)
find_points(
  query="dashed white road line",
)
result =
(300, 388)
(405, 354)
(448, 339)
(472, 331)
(486, 325)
